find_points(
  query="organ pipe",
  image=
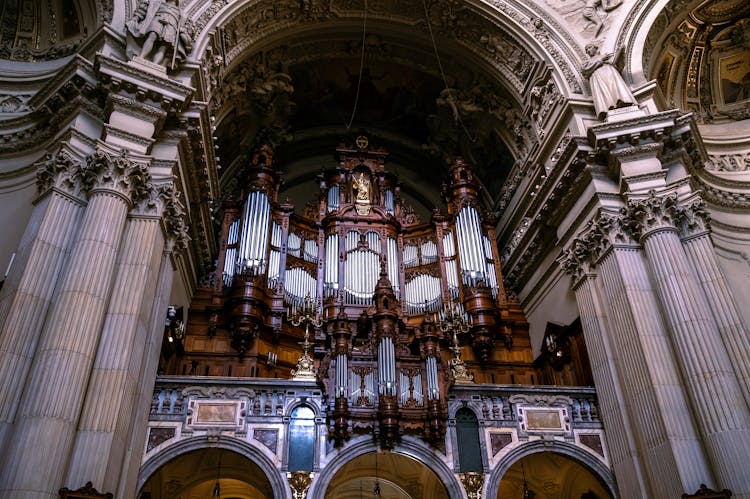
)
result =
(255, 229)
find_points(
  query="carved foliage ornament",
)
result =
(473, 483)
(56, 171)
(300, 482)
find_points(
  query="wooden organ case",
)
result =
(381, 281)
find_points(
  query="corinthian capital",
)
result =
(57, 171)
(693, 218)
(652, 214)
(118, 174)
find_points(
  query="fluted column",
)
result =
(700, 253)
(146, 367)
(52, 401)
(626, 461)
(100, 442)
(719, 406)
(39, 262)
(663, 429)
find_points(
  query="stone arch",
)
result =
(586, 459)
(155, 462)
(550, 45)
(407, 447)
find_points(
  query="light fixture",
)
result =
(527, 494)
(217, 486)
(376, 490)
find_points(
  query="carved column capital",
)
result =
(693, 219)
(652, 214)
(300, 482)
(57, 171)
(116, 174)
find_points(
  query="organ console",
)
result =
(383, 281)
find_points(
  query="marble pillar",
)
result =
(694, 231)
(662, 427)
(626, 461)
(100, 441)
(52, 401)
(28, 293)
(146, 367)
(722, 415)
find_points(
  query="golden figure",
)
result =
(362, 186)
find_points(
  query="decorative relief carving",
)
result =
(590, 16)
(300, 482)
(473, 483)
(159, 435)
(728, 162)
(174, 217)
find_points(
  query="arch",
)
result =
(552, 47)
(155, 462)
(407, 447)
(587, 460)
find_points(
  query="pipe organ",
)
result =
(380, 277)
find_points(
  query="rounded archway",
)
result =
(546, 474)
(386, 474)
(208, 472)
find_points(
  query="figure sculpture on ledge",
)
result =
(160, 27)
(608, 88)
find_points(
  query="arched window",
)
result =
(301, 439)
(467, 435)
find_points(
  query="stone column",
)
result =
(40, 261)
(146, 366)
(700, 253)
(718, 404)
(626, 461)
(103, 429)
(663, 429)
(52, 401)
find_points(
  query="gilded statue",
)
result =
(362, 187)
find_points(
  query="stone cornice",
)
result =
(654, 126)
(170, 94)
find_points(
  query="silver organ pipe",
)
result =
(310, 252)
(342, 375)
(392, 255)
(297, 284)
(451, 272)
(230, 259)
(254, 239)
(429, 252)
(373, 241)
(410, 389)
(433, 393)
(490, 273)
(352, 239)
(361, 271)
(274, 257)
(331, 276)
(411, 256)
(422, 293)
(333, 198)
(470, 245)
(294, 245)
(386, 367)
(390, 204)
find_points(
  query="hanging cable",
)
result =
(442, 73)
(361, 66)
